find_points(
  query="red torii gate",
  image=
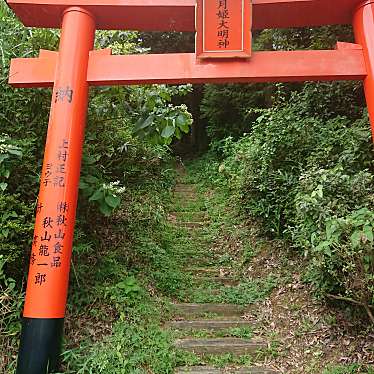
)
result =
(76, 66)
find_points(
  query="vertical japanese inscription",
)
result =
(223, 28)
(223, 25)
(55, 171)
(47, 253)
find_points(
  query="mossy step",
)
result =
(193, 247)
(211, 271)
(193, 310)
(195, 258)
(189, 208)
(206, 324)
(212, 370)
(226, 281)
(194, 208)
(187, 197)
(190, 225)
(188, 204)
(196, 216)
(185, 187)
(200, 255)
(217, 346)
(184, 193)
(205, 261)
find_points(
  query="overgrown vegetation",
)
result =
(308, 176)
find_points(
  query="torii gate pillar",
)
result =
(48, 277)
(363, 24)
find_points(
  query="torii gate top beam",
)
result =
(179, 15)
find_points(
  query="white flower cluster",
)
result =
(5, 147)
(114, 187)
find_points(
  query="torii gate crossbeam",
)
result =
(345, 63)
(70, 72)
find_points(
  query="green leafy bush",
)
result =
(8, 151)
(16, 227)
(125, 292)
(343, 258)
(11, 300)
(307, 175)
(156, 118)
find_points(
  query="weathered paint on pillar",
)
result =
(48, 277)
(363, 24)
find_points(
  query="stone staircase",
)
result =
(210, 319)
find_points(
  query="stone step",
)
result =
(184, 210)
(190, 225)
(226, 281)
(216, 346)
(196, 216)
(185, 188)
(213, 325)
(184, 193)
(188, 204)
(213, 370)
(204, 261)
(211, 272)
(201, 253)
(193, 310)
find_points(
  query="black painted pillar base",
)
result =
(40, 346)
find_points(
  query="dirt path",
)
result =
(243, 307)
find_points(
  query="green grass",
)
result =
(348, 369)
(234, 332)
(132, 348)
(190, 359)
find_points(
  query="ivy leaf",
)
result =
(15, 152)
(183, 123)
(91, 179)
(168, 131)
(356, 238)
(98, 194)
(368, 231)
(105, 209)
(140, 125)
(113, 201)
(178, 134)
(324, 247)
(165, 95)
(5, 233)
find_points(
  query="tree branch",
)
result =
(349, 300)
